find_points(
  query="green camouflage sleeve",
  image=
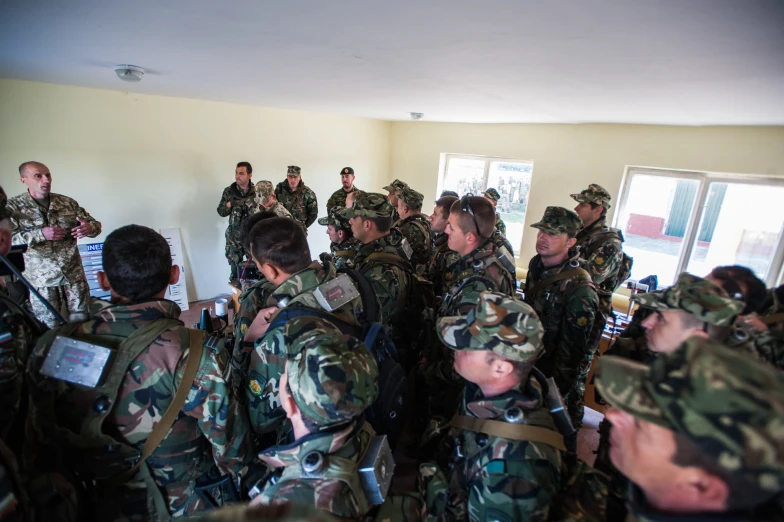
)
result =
(333, 202)
(262, 391)
(311, 208)
(386, 281)
(223, 209)
(605, 262)
(251, 301)
(575, 335)
(310, 493)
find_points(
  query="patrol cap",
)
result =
(333, 218)
(263, 190)
(700, 297)
(5, 212)
(728, 404)
(347, 170)
(500, 324)
(411, 197)
(559, 220)
(594, 194)
(492, 194)
(368, 205)
(333, 377)
(449, 193)
(293, 170)
(395, 186)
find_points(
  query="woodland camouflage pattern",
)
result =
(368, 205)
(499, 224)
(440, 258)
(594, 194)
(416, 229)
(302, 202)
(285, 512)
(559, 220)
(211, 431)
(344, 254)
(243, 205)
(730, 406)
(492, 194)
(338, 198)
(600, 247)
(251, 301)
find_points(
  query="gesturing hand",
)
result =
(260, 324)
(53, 233)
(83, 230)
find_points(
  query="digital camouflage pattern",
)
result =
(594, 194)
(210, 433)
(236, 204)
(497, 323)
(273, 349)
(441, 258)
(700, 297)
(417, 231)
(262, 192)
(71, 297)
(559, 220)
(250, 302)
(729, 405)
(601, 248)
(368, 205)
(500, 226)
(492, 194)
(302, 202)
(573, 324)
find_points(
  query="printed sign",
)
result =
(177, 292)
(91, 261)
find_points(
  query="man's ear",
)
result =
(501, 368)
(174, 274)
(705, 489)
(103, 281)
(571, 242)
(269, 271)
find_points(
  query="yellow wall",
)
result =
(568, 157)
(163, 162)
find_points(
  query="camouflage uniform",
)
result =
(338, 198)
(394, 187)
(493, 195)
(496, 477)
(569, 311)
(272, 350)
(343, 254)
(242, 206)
(302, 203)
(416, 229)
(210, 433)
(728, 405)
(333, 379)
(600, 247)
(53, 267)
(262, 193)
(441, 258)
(250, 302)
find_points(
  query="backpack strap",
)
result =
(422, 228)
(284, 315)
(377, 258)
(612, 233)
(509, 431)
(564, 274)
(370, 307)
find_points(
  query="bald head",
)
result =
(37, 177)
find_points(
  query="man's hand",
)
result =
(752, 321)
(260, 324)
(53, 233)
(228, 204)
(83, 230)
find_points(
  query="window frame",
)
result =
(705, 178)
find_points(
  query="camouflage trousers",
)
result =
(66, 299)
(236, 254)
(575, 399)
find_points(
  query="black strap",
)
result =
(370, 307)
(284, 315)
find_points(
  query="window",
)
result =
(511, 178)
(676, 221)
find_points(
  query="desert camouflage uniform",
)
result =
(302, 202)
(53, 267)
(441, 258)
(272, 350)
(250, 302)
(727, 404)
(333, 379)
(242, 206)
(211, 432)
(569, 311)
(262, 191)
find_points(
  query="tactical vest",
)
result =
(477, 271)
(593, 243)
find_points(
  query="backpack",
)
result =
(625, 269)
(387, 414)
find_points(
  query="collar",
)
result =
(239, 192)
(327, 442)
(487, 249)
(599, 223)
(526, 396)
(303, 281)
(353, 188)
(135, 312)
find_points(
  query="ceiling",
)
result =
(685, 62)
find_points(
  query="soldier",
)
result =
(697, 433)
(565, 299)
(237, 203)
(599, 245)
(493, 195)
(451, 193)
(299, 199)
(343, 245)
(338, 198)
(280, 251)
(498, 471)
(163, 395)
(50, 224)
(266, 199)
(393, 190)
(415, 227)
(442, 256)
(329, 381)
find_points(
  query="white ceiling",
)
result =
(693, 62)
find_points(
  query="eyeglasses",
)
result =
(465, 205)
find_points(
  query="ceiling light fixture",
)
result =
(416, 116)
(129, 73)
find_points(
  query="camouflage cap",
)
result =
(498, 323)
(412, 198)
(730, 405)
(559, 220)
(263, 190)
(333, 217)
(704, 299)
(449, 193)
(395, 186)
(347, 170)
(594, 194)
(333, 377)
(492, 194)
(293, 170)
(4, 211)
(368, 204)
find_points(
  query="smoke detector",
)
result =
(416, 116)
(129, 73)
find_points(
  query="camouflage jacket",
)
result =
(416, 230)
(488, 268)
(50, 263)
(499, 224)
(251, 301)
(603, 254)
(330, 489)
(343, 254)
(242, 206)
(569, 311)
(441, 258)
(338, 198)
(279, 210)
(211, 430)
(271, 351)
(302, 203)
(496, 478)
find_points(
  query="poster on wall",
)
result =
(179, 291)
(92, 262)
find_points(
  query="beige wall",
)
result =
(568, 157)
(163, 162)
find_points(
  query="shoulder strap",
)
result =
(564, 274)
(284, 315)
(422, 228)
(370, 307)
(509, 431)
(772, 319)
(345, 253)
(601, 238)
(377, 258)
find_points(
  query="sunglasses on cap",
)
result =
(465, 206)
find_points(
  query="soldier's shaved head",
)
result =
(28, 166)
